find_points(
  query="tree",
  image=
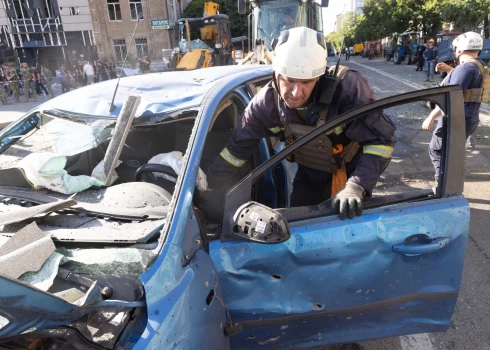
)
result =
(387, 17)
(239, 26)
(336, 38)
(466, 15)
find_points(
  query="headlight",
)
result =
(238, 54)
(218, 46)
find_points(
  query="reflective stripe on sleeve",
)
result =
(276, 129)
(338, 130)
(231, 159)
(378, 150)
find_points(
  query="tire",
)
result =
(408, 59)
(397, 58)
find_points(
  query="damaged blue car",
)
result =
(103, 244)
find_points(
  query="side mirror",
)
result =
(242, 9)
(258, 223)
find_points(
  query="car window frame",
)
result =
(450, 101)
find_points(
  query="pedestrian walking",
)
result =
(112, 70)
(13, 79)
(420, 56)
(144, 64)
(3, 95)
(29, 82)
(430, 57)
(88, 71)
(47, 78)
(39, 82)
(104, 71)
(471, 74)
(63, 79)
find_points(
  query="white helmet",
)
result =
(300, 54)
(468, 41)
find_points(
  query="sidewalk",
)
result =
(13, 111)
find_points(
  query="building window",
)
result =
(136, 9)
(114, 9)
(120, 49)
(141, 47)
(74, 11)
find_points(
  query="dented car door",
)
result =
(396, 270)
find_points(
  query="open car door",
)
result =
(395, 270)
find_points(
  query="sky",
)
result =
(330, 13)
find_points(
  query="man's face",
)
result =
(295, 92)
(288, 19)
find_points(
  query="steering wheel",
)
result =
(145, 174)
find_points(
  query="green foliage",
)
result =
(382, 18)
(346, 34)
(465, 14)
(227, 7)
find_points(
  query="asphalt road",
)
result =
(470, 324)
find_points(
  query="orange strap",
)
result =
(339, 178)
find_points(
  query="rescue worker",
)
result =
(345, 163)
(3, 95)
(29, 79)
(13, 79)
(472, 75)
(47, 76)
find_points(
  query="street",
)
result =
(470, 327)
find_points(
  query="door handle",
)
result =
(427, 246)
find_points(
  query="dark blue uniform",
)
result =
(374, 132)
(467, 76)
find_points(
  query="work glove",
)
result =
(348, 202)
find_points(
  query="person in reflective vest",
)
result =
(343, 164)
(472, 75)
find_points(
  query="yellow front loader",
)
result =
(203, 42)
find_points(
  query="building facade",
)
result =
(151, 21)
(49, 32)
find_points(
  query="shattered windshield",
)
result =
(203, 35)
(66, 222)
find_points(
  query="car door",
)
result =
(395, 270)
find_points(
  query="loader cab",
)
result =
(202, 42)
(270, 18)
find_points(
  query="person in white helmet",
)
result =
(353, 156)
(470, 73)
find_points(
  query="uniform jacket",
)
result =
(374, 131)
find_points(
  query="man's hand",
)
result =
(427, 123)
(348, 202)
(443, 67)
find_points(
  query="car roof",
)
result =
(163, 95)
